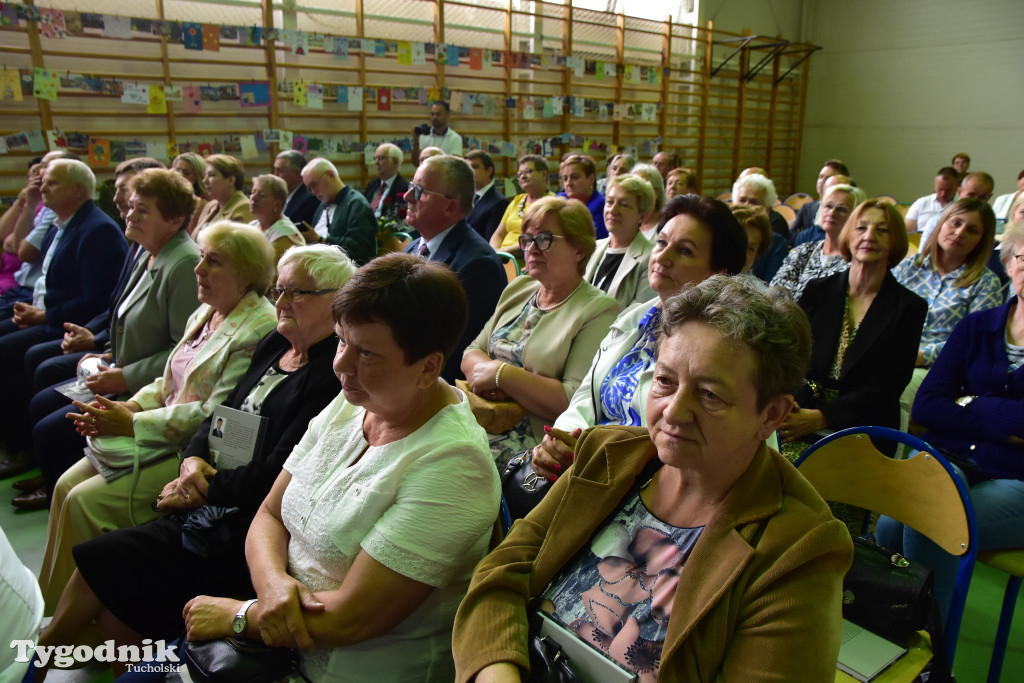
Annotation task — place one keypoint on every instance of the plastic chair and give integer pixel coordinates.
(887, 198)
(724, 197)
(511, 265)
(397, 242)
(786, 211)
(1012, 563)
(923, 492)
(797, 199)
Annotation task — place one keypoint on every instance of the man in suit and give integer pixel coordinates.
(489, 203)
(84, 250)
(439, 199)
(301, 205)
(389, 186)
(344, 217)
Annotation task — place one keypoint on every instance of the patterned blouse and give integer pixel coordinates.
(947, 303)
(618, 391)
(805, 263)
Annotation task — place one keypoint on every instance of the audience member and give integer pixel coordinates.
(344, 217)
(579, 181)
(533, 180)
(300, 205)
(618, 265)
(756, 189)
(619, 164)
(224, 180)
(540, 341)
(22, 606)
(805, 217)
(814, 260)
(440, 198)
(649, 227)
(816, 233)
(978, 185)
(680, 181)
(754, 220)
(267, 203)
(193, 168)
(440, 134)
(720, 560)
(429, 152)
(389, 186)
(925, 208)
(1001, 204)
(489, 203)
(961, 162)
(666, 162)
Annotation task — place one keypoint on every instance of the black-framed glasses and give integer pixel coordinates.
(295, 294)
(526, 174)
(418, 191)
(542, 241)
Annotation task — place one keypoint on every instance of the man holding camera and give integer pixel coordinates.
(437, 134)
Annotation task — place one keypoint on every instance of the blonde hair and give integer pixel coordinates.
(246, 248)
(573, 217)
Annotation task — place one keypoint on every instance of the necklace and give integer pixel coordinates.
(554, 306)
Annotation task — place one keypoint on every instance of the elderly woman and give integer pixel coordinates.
(147, 320)
(193, 167)
(970, 404)
(578, 176)
(866, 329)
(649, 228)
(950, 274)
(618, 266)
(338, 551)
(680, 181)
(819, 259)
(753, 188)
(545, 329)
(620, 164)
(224, 179)
(266, 201)
(698, 237)
(135, 582)
(533, 179)
(233, 275)
(721, 562)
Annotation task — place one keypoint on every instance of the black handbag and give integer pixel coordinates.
(886, 593)
(522, 488)
(548, 663)
(234, 660)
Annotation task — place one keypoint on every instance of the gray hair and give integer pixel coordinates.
(277, 187)
(629, 158)
(391, 150)
(322, 165)
(652, 176)
(639, 187)
(295, 158)
(327, 264)
(768, 323)
(247, 251)
(859, 197)
(1012, 242)
(761, 183)
(456, 179)
(77, 172)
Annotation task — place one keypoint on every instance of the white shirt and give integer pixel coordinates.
(434, 243)
(385, 186)
(450, 142)
(39, 293)
(923, 210)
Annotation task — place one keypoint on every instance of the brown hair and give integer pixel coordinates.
(174, 195)
(229, 167)
(573, 217)
(977, 260)
(898, 242)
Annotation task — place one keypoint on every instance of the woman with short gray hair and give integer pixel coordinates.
(266, 201)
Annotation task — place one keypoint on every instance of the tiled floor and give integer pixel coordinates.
(27, 533)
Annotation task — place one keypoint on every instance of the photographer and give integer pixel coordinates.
(437, 134)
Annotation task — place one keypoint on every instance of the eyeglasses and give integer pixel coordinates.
(418, 191)
(294, 294)
(837, 209)
(525, 174)
(542, 241)
(380, 158)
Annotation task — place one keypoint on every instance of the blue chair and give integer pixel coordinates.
(1011, 562)
(923, 492)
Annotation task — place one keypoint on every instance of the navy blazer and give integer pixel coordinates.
(880, 360)
(488, 212)
(398, 188)
(84, 268)
(301, 207)
(482, 276)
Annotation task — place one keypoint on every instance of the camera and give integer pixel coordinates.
(422, 129)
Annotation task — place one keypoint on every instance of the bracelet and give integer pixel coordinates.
(497, 375)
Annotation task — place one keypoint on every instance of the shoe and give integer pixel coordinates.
(33, 500)
(16, 464)
(30, 484)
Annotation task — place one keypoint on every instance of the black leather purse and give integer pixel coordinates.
(233, 660)
(548, 663)
(522, 487)
(886, 593)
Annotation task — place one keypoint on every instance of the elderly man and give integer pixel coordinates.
(753, 188)
(489, 203)
(440, 198)
(344, 217)
(83, 253)
(977, 185)
(440, 134)
(300, 205)
(389, 185)
(925, 208)
(666, 162)
(805, 216)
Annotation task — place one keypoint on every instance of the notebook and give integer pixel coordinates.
(864, 655)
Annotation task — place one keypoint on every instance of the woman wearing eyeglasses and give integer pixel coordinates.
(820, 259)
(533, 179)
(539, 343)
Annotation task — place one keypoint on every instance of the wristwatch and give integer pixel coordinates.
(239, 623)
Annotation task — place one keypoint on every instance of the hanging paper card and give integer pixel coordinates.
(629, 73)
(649, 112)
(488, 105)
(135, 94)
(251, 35)
(456, 101)
(205, 149)
(453, 55)
(156, 150)
(299, 41)
(172, 93)
(610, 69)
(599, 71)
(254, 94)
(556, 106)
(342, 95)
(528, 110)
(211, 37)
(172, 151)
(368, 152)
(117, 27)
(355, 99)
(10, 86)
(36, 141)
(315, 96)
(468, 100)
(367, 46)
(341, 48)
(192, 98)
(380, 48)
(419, 53)
(508, 149)
(8, 17)
(421, 96)
(248, 143)
(157, 102)
(549, 107)
(45, 84)
(577, 106)
(300, 144)
(510, 103)
(383, 99)
(619, 112)
(476, 59)
(578, 67)
(441, 53)
(404, 53)
(99, 152)
(300, 95)
(56, 140)
(433, 94)
(51, 23)
(287, 138)
(192, 35)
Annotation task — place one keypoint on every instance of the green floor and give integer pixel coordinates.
(27, 532)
